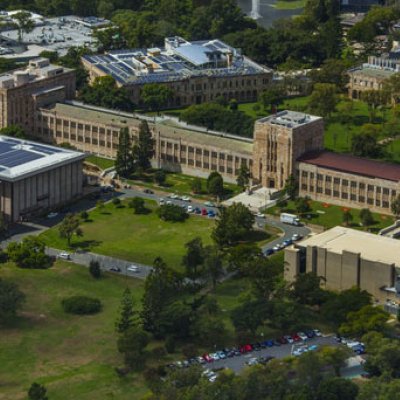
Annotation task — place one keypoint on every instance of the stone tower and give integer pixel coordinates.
(279, 140)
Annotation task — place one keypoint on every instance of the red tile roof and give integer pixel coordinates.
(353, 165)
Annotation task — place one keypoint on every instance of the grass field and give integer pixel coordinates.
(182, 184)
(73, 356)
(328, 216)
(289, 4)
(103, 163)
(118, 232)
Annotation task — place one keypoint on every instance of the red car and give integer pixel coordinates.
(204, 212)
(207, 358)
(282, 340)
(296, 337)
(246, 348)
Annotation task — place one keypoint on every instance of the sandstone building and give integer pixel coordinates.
(36, 177)
(345, 258)
(197, 72)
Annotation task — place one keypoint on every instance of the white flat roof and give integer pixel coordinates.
(290, 119)
(371, 247)
(22, 158)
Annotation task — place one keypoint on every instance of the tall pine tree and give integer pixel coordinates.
(144, 148)
(125, 162)
(127, 315)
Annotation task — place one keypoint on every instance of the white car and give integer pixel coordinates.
(289, 339)
(296, 237)
(190, 209)
(133, 268)
(260, 215)
(186, 198)
(317, 332)
(161, 201)
(174, 196)
(168, 203)
(302, 335)
(52, 215)
(64, 256)
(215, 356)
(252, 361)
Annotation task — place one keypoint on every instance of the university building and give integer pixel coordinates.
(284, 144)
(346, 258)
(197, 72)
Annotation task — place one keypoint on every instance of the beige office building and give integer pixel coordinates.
(345, 258)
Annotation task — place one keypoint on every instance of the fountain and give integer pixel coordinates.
(255, 9)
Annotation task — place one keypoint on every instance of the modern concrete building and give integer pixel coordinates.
(36, 177)
(197, 72)
(345, 258)
(23, 91)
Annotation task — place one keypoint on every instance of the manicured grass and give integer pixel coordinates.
(182, 184)
(118, 232)
(103, 163)
(73, 356)
(328, 216)
(289, 4)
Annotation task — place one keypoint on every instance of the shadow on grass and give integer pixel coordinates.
(85, 244)
(257, 236)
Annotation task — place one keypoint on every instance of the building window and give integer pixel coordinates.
(378, 189)
(385, 191)
(385, 204)
(345, 182)
(353, 197)
(311, 175)
(335, 193)
(304, 174)
(361, 199)
(328, 179)
(319, 177)
(345, 195)
(303, 186)
(370, 201)
(328, 192)
(353, 184)
(370, 188)
(319, 189)
(377, 202)
(336, 181)
(362, 185)
(183, 148)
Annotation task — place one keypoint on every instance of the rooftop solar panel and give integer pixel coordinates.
(18, 157)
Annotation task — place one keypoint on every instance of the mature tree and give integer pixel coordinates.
(374, 99)
(11, 300)
(367, 319)
(143, 149)
(160, 177)
(156, 96)
(241, 257)
(235, 223)
(30, 253)
(194, 257)
(333, 71)
(172, 213)
(213, 265)
(392, 86)
(291, 187)
(124, 162)
(307, 290)
(176, 319)
(248, 316)
(337, 306)
(324, 99)
(70, 226)
(337, 389)
(365, 144)
(127, 314)
(209, 330)
(25, 23)
(272, 97)
(303, 205)
(162, 285)
(37, 392)
(366, 217)
(7, 65)
(138, 205)
(347, 217)
(196, 185)
(104, 92)
(132, 344)
(335, 357)
(379, 389)
(243, 177)
(95, 269)
(285, 314)
(395, 206)
(215, 184)
(13, 131)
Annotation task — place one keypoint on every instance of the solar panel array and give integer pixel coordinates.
(14, 153)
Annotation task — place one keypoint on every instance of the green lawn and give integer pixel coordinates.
(101, 162)
(328, 216)
(73, 356)
(289, 4)
(182, 184)
(118, 232)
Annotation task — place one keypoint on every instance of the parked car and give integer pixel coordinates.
(133, 268)
(260, 215)
(64, 256)
(190, 209)
(211, 214)
(302, 335)
(186, 198)
(115, 269)
(197, 210)
(276, 248)
(204, 211)
(52, 215)
(256, 346)
(148, 191)
(310, 334)
(207, 358)
(161, 201)
(317, 332)
(269, 343)
(221, 355)
(265, 360)
(215, 356)
(269, 252)
(252, 361)
(287, 242)
(296, 337)
(296, 237)
(277, 342)
(174, 196)
(283, 340)
(289, 339)
(209, 204)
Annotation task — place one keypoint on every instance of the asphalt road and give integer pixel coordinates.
(237, 363)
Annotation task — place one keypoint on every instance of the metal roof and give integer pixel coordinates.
(21, 158)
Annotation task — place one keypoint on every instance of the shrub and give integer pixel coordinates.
(84, 215)
(170, 344)
(172, 212)
(95, 269)
(117, 202)
(81, 305)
